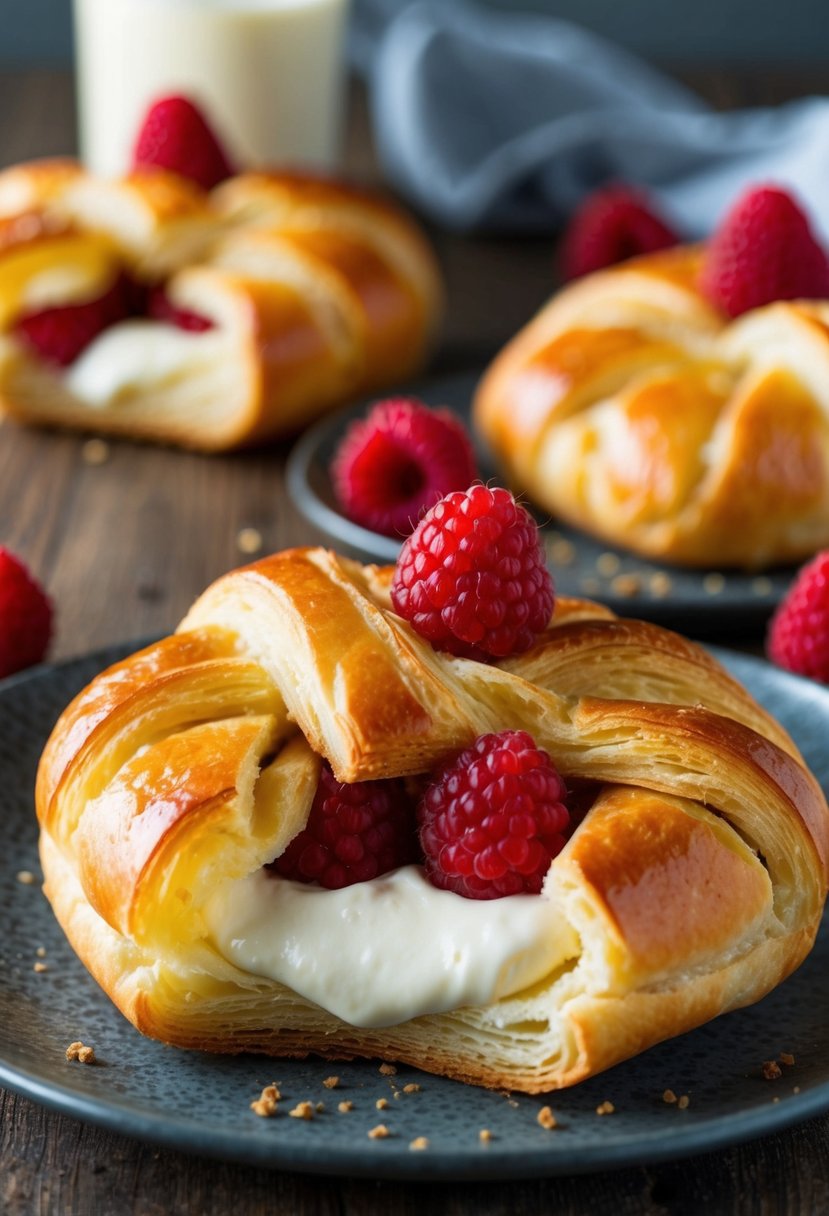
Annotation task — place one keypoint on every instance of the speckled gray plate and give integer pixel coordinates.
(707, 603)
(201, 1103)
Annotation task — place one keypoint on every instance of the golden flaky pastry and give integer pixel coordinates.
(632, 409)
(694, 884)
(314, 291)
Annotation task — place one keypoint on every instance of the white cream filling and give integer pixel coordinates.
(381, 952)
(139, 355)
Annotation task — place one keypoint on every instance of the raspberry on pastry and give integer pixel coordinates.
(798, 636)
(354, 833)
(472, 577)
(764, 250)
(175, 135)
(60, 334)
(395, 463)
(493, 820)
(613, 224)
(25, 616)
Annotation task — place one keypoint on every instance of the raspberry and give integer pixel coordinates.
(472, 578)
(494, 819)
(398, 461)
(354, 832)
(798, 637)
(176, 136)
(161, 308)
(611, 225)
(25, 616)
(763, 250)
(58, 335)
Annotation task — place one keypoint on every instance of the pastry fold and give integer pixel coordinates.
(693, 885)
(630, 408)
(308, 292)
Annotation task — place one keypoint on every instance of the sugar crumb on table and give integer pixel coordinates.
(605, 1108)
(345, 1106)
(40, 967)
(331, 1082)
(771, 1070)
(545, 1118)
(684, 1102)
(382, 1104)
(419, 1144)
(302, 1110)
(484, 1135)
(669, 1096)
(26, 878)
(388, 1070)
(380, 1132)
(265, 1105)
(786, 1057)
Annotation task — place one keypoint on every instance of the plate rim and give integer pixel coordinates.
(118, 1114)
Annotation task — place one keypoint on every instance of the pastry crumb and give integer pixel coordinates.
(411, 1088)
(26, 877)
(419, 1144)
(40, 967)
(546, 1118)
(41, 953)
(302, 1110)
(388, 1070)
(607, 564)
(78, 1051)
(249, 540)
(626, 585)
(95, 451)
(605, 1108)
(382, 1104)
(772, 1070)
(660, 584)
(684, 1102)
(380, 1132)
(331, 1082)
(786, 1057)
(669, 1096)
(484, 1135)
(345, 1106)
(265, 1104)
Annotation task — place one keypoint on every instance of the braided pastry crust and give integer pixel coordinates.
(316, 292)
(632, 409)
(694, 884)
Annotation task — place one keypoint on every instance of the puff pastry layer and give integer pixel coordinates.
(316, 291)
(632, 409)
(694, 884)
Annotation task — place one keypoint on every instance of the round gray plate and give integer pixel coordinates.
(200, 1103)
(707, 603)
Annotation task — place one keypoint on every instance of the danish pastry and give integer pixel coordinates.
(209, 320)
(633, 409)
(693, 884)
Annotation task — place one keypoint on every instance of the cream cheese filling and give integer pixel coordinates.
(382, 952)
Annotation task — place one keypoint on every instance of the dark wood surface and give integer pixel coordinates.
(124, 546)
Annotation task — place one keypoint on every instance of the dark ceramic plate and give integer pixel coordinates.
(706, 603)
(200, 1103)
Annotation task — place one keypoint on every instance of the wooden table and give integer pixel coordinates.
(124, 546)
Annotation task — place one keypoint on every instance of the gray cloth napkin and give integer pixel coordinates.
(505, 122)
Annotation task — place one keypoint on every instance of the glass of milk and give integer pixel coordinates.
(268, 75)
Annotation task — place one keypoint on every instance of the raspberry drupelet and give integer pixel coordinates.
(492, 821)
(472, 577)
(25, 616)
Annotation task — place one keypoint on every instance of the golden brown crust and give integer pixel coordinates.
(694, 884)
(316, 291)
(632, 409)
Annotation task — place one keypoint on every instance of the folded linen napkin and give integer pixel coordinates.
(504, 122)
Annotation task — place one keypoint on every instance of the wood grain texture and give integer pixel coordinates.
(124, 547)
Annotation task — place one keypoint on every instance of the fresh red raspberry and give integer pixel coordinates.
(161, 308)
(611, 225)
(798, 637)
(398, 461)
(763, 250)
(58, 335)
(494, 819)
(25, 616)
(175, 135)
(354, 832)
(472, 577)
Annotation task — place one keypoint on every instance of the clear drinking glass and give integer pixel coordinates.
(269, 75)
